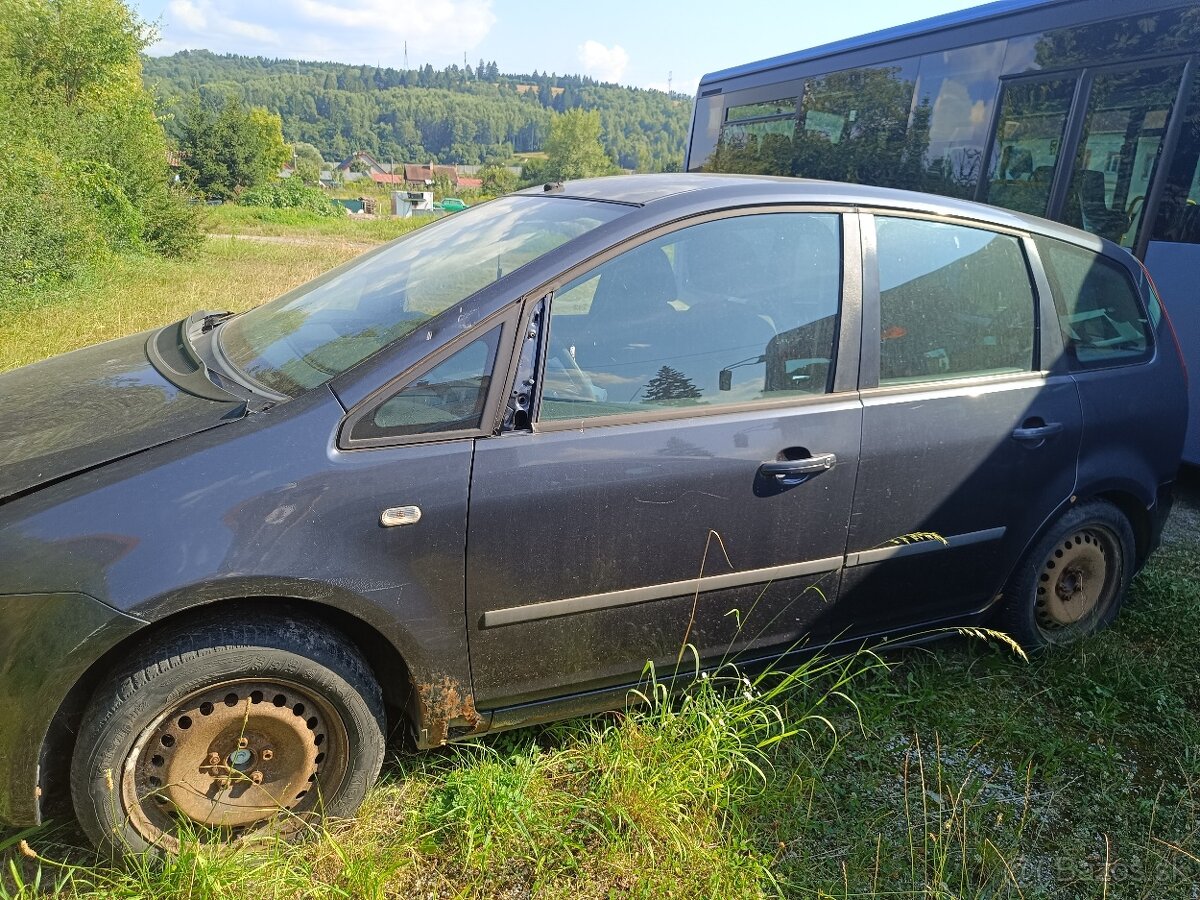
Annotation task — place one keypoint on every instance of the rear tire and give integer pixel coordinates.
(228, 731)
(1072, 583)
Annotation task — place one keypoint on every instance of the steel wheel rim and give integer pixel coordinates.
(232, 758)
(1077, 583)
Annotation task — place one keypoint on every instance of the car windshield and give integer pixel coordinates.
(322, 328)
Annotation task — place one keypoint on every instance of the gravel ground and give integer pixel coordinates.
(1184, 524)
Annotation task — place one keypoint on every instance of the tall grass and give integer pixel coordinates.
(657, 800)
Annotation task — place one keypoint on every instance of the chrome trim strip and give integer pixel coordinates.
(548, 609)
(863, 557)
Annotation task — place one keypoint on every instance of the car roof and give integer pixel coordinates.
(666, 189)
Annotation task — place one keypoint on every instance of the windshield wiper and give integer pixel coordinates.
(212, 320)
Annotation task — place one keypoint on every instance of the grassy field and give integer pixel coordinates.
(956, 771)
(133, 294)
(257, 220)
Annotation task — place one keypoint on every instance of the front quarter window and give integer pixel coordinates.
(321, 329)
(449, 397)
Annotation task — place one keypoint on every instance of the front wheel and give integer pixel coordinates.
(1073, 581)
(228, 731)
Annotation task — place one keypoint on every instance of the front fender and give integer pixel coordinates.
(47, 642)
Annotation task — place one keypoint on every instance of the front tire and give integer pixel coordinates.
(1072, 583)
(228, 731)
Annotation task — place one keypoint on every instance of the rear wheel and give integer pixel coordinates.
(1072, 583)
(226, 732)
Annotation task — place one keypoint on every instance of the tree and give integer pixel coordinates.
(226, 148)
(573, 147)
(670, 384)
(271, 152)
(308, 162)
(83, 159)
(482, 121)
(75, 47)
(497, 180)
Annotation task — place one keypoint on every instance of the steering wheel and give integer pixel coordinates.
(566, 374)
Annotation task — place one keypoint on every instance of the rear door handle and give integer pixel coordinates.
(1035, 434)
(794, 471)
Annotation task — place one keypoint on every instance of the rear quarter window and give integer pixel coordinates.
(1099, 311)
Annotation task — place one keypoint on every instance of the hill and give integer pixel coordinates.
(454, 115)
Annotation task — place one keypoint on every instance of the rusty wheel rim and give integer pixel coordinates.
(233, 758)
(1076, 583)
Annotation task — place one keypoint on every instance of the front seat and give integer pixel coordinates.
(628, 321)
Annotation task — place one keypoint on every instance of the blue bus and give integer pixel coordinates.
(1083, 111)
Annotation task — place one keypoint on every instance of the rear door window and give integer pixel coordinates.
(954, 302)
(1103, 322)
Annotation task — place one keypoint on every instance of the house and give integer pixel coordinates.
(424, 174)
(367, 166)
(416, 176)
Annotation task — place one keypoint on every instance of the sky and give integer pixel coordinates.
(633, 42)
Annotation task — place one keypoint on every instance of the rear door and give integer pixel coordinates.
(970, 435)
(688, 478)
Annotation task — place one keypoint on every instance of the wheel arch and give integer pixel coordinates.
(391, 670)
(1135, 509)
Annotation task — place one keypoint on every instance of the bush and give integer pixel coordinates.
(291, 193)
(44, 232)
(83, 160)
(172, 222)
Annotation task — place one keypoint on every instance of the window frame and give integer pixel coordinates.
(1048, 352)
(1068, 139)
(846, 342)
(506, 320)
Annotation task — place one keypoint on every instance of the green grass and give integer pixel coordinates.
(958, 771)
(131, 294)
(293, 223)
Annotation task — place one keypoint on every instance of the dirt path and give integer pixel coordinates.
(315, 240)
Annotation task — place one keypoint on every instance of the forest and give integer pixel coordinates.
(469, 114)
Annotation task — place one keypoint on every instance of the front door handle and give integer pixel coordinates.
(1035, 431)
(794, 471)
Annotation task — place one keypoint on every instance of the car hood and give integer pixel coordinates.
(92, 406)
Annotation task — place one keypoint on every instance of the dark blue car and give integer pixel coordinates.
(466, 482)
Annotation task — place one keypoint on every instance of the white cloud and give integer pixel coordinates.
(601, 62)
(188, 14)
(207, 17)
(358, 31)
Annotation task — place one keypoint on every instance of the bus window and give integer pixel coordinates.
(756, 122)
(855, 127)
(1033, 115)
(706, 130)
(751, 131)
(1179, 209)
(1126, 117)
(956, 90)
